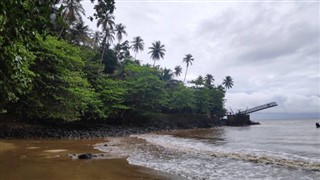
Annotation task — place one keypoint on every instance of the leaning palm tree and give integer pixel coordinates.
(120, 30)
(208, 80)
(228, 82)
(188, 59)
(157, 51)
(177, 70)
(137, 45)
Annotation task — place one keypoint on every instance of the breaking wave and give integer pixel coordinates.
(251, 155)
(198, 159)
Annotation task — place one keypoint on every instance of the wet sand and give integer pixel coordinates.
(47, 159)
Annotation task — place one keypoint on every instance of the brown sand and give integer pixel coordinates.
(46, 159)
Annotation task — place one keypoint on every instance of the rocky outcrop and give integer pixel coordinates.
(240, 120)
(84, 130)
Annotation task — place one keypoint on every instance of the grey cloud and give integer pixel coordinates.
(287, 41)
(270, 49)
(290, 103)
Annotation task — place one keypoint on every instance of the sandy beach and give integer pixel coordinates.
(47, 159)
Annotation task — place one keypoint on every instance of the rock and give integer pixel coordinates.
(317, 125)
(85, 156)
(254, 123)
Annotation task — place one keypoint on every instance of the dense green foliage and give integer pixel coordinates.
(19, 22)
(52, 67)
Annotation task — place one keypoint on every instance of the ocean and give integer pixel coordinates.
(276, 149)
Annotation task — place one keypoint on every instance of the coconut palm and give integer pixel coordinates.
(96, 38)
(137, 45)
(122, 50)
(157, 51)
(198, 82)
(188, 59)
(166, 75)
(221, 88)
(79, 33)
(72, 12)
(108, 38)
(107, 24)
(177, 70)
(228, 82)
(120, 30)
(208, 80)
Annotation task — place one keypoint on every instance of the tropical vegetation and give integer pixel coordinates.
(52, 66)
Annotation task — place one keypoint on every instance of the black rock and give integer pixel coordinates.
(85, 156)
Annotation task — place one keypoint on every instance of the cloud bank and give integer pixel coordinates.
(271, 49)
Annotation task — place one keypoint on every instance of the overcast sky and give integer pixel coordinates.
(270, 49)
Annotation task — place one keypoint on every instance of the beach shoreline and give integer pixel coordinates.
(100, 129)
(34, 159)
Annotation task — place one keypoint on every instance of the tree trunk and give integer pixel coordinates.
(185, 75)
(103, 50)
(60, 32)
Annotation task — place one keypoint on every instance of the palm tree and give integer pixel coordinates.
(72, 12)
(137, 45)
(108, 38)
(107, 24)
(157, 51)
(79, 33)
(122, 50)
(178, 70)
(188, 59)
(199, 81)
(120, 30)
(208, 80)
(228, 82)
(221, 88)
(96, 39)
(166, 75)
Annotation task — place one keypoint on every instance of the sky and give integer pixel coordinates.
(270, 49)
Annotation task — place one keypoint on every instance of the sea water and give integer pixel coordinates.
(276, 149)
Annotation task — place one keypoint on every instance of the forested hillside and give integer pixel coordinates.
(52, 66)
